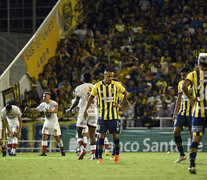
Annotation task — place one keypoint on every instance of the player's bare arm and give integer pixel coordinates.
(20, 126)
(186, 83)
(77, 99)
(7, 126)
(177, 106)
(90, 100)
(124, 107)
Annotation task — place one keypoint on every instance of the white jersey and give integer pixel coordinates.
(84, 91)
(12, 115)
(51, 119)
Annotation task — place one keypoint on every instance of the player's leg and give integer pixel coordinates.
(115, 128)
(193, 153)
(106, 146)
(197, 131)
(60, 144)
(102, 127)
(85, 136)
(80, 142)
(14, 144)
(81, 125)
(92, 131)
(9, 142)
(179, 123)
(116, 147)
(44, 142)
(3, 147)
(100, 146)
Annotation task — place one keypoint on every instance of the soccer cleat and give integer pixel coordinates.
(112, 157)
(192, 170)
(116, 159)
(83, 153)
(4, 153)
(180, 158)
(107, 152)
(100, 161)
(43, 154)
(63, 153)
(12, 154)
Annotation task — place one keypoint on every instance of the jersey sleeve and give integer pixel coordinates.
(190, 77)
(40, 107)
(3, 113)
(77, 92)
(179, 87)
(94, 90)
(18, 112)
(120, 88)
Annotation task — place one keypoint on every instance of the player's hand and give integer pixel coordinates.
(68, 111)
(117, 105)
(85, 114)
(48, 110)
(19, 134)
(120, 113)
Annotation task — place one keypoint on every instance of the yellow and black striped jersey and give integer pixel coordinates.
(107, 95)
(185, 107)
(199, 80)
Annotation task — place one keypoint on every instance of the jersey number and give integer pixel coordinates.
(203, 93)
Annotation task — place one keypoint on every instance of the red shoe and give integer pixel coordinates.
(100, 161)
(83, 153)
(116, 159)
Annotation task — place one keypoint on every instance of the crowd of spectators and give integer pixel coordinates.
(146, 41)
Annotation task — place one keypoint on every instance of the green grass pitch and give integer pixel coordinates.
(160, 166)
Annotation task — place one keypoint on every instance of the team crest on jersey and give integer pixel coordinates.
(112, 91)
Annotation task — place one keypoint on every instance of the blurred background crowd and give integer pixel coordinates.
(146, 41)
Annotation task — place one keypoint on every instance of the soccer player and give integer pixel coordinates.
(82, 94)
(182, 114)
(107, 92)
(51, 126)
(3, 147)
(199, 79)
(13, 116)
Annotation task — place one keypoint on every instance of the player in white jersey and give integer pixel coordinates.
(82, 94)
(13, 116)
(51, 126)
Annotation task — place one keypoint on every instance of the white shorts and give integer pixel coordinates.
(51, 131)
(82, 122)
(0, 129)
(13, 127)
(85, 130)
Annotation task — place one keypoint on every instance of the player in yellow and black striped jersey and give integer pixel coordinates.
(182, 114)
(199, 122)
(107, 92)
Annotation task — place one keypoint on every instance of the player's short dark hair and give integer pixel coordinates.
(47, 92)
(8, 107)
(87, 77)
(109, 69)
(185, 69)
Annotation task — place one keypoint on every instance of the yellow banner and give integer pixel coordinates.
(72, 12)
(43, 48)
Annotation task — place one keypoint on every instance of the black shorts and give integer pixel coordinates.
(111, 126)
